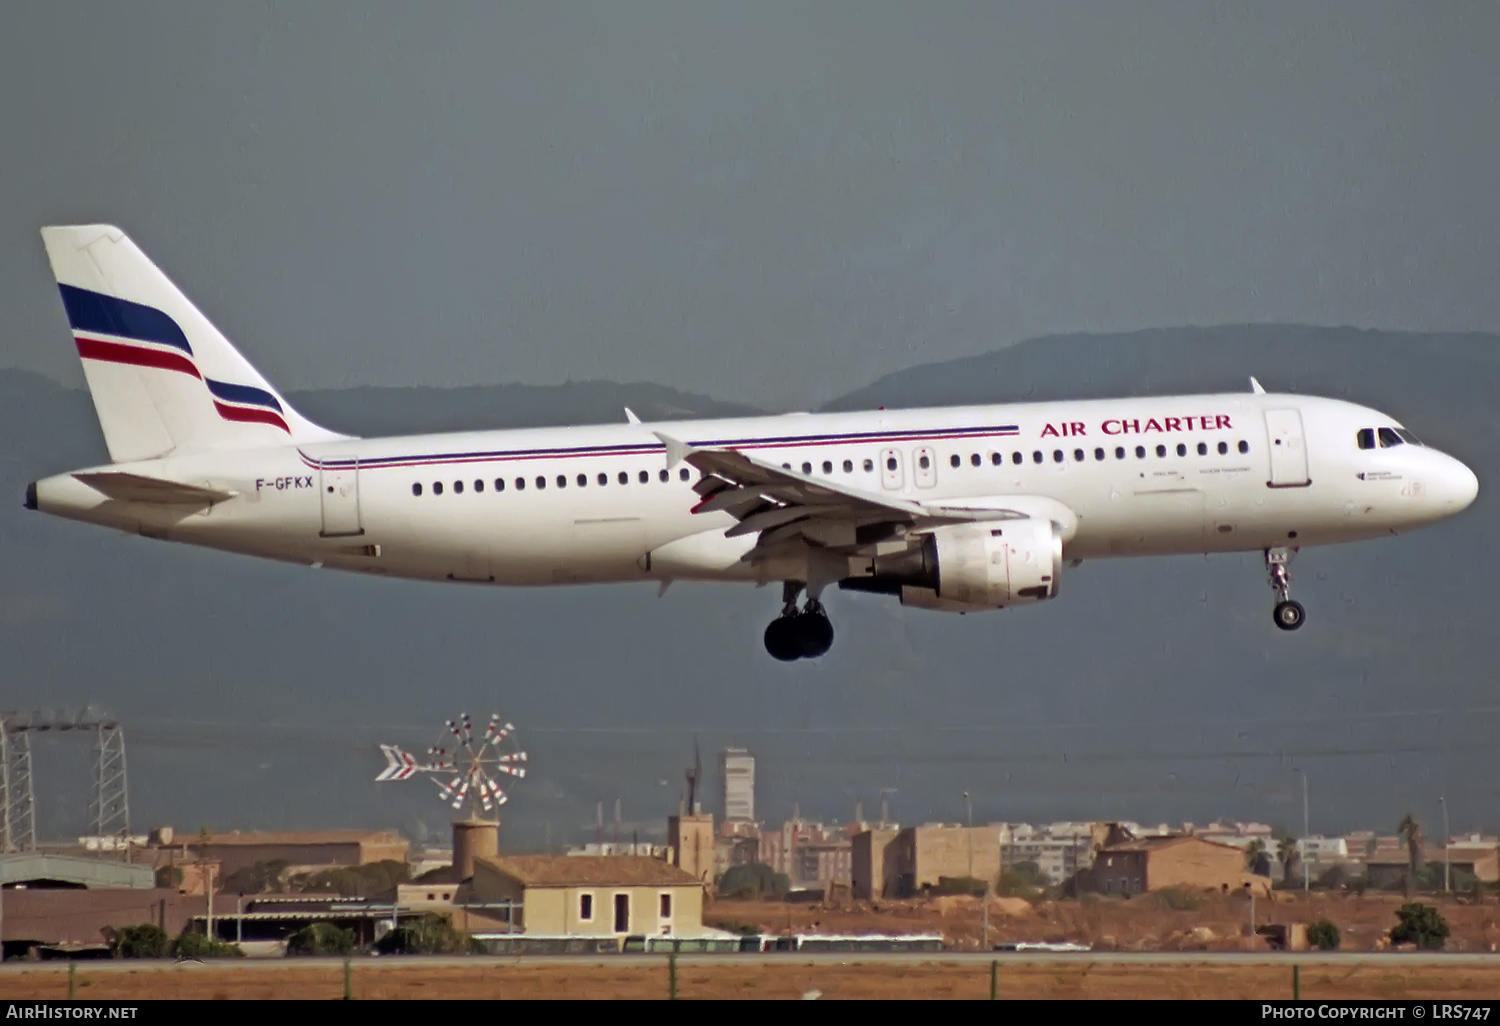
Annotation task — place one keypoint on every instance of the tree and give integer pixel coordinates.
(1323, 935)
(1411, 831)
(146, 940)
(430, 935)
(1422, 925)
(320, 939)
(752, 880)
(1256, 859)
(192, 944)
(1291, 859)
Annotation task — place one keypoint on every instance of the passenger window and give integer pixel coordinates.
(1202, 448)
(683, 474)
(458, 487)
(1181, 449)
(478, 485)
(1036, 456)
(520, 484)
(541, 482)
(624, 477)
(1098, 454)
(828, 466)
(953, 461)
(848, 466)
(890, 463)
(1244, 446)
(603, 480)
(499, 484)
(1365, 438)
(645, 476)
(437, 488)
(1389, 438)
(661, 475)
(1057, 456)
(562, 480)
(1016, 458)
(1161, 452)
(1119, 452)
(807, 468)
(416, 489)
(924, 462)
(996, 458)
(974, 459)
(1223, 448)
(1140, 452)
(1077, 455)
(583, 479)
(870, 466)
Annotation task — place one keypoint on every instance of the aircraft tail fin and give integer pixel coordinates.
(161, 375)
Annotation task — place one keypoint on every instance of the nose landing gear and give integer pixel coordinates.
(1289, 615)
(804, 633)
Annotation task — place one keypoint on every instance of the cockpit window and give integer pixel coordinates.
(1366, 438)
(1407, 437)
(1389, 438)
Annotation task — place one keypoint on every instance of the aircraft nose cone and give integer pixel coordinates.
(1460, 486)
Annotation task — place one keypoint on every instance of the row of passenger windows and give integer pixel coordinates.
(1079, 455)
(1017, 458)
(540, 481)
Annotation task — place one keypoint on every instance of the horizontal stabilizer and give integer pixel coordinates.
(139, 488)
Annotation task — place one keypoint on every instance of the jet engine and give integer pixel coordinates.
(971, 567)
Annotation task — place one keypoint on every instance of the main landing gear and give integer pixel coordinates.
(1287, 614)
(804, 633)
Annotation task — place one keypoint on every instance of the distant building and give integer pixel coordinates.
(901, 863)
(597, 896)
(615, 848)
(1135, 865)
(808, 852)
(690, 840)
(737, 771)
(297, 850)
(1058, 850)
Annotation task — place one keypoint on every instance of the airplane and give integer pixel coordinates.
(961, 509)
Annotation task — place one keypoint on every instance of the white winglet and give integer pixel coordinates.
(1255, 387)
(630, 416)
(676, 451)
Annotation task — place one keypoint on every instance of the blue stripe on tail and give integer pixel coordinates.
(94, 311)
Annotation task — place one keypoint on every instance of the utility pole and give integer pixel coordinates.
(1447, 838)
(210, 901)
(1305, 886)
(969, 805)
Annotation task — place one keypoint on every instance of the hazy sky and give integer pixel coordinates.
(769, 202)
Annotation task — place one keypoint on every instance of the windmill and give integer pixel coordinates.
(466, 767)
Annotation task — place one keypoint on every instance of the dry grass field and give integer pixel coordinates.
(792, 978)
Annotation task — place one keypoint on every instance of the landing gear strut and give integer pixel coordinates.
(804, 633)
(1288, 615)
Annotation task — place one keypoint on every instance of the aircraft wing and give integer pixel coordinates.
(782, 505)
(139, 488)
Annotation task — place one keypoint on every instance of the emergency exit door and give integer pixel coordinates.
(1288, 449)
(338, 487)
(892, 476)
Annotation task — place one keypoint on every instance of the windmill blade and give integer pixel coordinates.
(515, 771)
(392, 762)
(468, 728)
(463, 790)
(493, 727)
(513, 757)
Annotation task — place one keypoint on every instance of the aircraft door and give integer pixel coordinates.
(924, 469)
(338, 487)
(892, 476)
(1288, 449)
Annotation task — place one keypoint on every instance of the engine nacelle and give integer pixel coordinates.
(998, 563)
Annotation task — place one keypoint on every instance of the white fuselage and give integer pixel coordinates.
(1149, 476)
